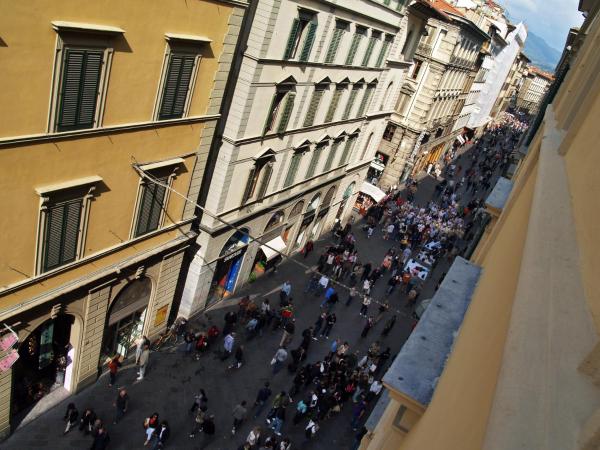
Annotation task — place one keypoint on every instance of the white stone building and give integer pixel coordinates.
(308, 107)
(535, 85)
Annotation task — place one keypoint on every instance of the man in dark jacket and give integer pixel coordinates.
(101, 440)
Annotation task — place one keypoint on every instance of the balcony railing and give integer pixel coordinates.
(424, 49)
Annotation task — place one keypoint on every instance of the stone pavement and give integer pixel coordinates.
(173, 379)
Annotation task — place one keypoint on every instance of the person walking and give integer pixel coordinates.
(288, 334)
(161, 435)
(357, 413)
(368, 325)
(228, 342)
(329, 323)
(70, 417)
(151, 424)
(364, 307)
(285, 292)
(318, 324)
(139, 347)
(87, 421)
(209, 430)
(199, 420)
(200, 401)
(239, 414)
(120, 405)
(301, 409)
(389, 325)
(101, 440)
(253, 438)
(113, 367)
(311, 430)
(261, 398)
(278, 360)
(144, 359)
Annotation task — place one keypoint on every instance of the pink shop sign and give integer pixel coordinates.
(8, 361)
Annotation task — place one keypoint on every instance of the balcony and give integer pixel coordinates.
(424, 49)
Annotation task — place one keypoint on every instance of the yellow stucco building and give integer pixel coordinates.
(508, 354)
(95, 97)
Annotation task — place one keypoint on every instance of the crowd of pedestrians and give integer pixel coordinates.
(322, 385)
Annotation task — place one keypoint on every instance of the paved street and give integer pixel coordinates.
(173, 379)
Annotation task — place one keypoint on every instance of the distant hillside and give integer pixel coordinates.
(540, 53)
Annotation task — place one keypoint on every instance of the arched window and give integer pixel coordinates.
(388, 91)
(259, 176)
(296, 210)
(274, 221)
(367, 145)
(282, 106)
(314, 204)
(328, 197)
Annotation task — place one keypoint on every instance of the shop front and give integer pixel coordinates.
(228, 266)
(342, 207)
(377, 167)
(307, 220)
(368, 196)
(273, 244)
(126, 318)
(45, 363)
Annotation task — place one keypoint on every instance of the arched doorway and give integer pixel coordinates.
(315, 232)
(45, 356)
(228, 266)
(272, 245)
(309, 216)
(347, 194)
(296, 211)
(126, 318)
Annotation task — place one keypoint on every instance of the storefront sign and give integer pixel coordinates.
(232, 276)
(46, 348)
(8, 361)
(7, 341)
(233, 255)
(161, 315)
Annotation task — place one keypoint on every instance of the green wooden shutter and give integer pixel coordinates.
(264, 184)
(151, 206)
(331, 155)
(386, 2)
(313, 106)
(334, 104)
(176, 86)
(308, 42)
(249, 185)
(339, 31)
(315, 160)
(286, 113)
(291, 175)
(365, 101)
(347, 149)
(382, 53)
(62, 234)
(353, 47)
(351, 99)
(367, 57)
(79, 92)
(292, 39)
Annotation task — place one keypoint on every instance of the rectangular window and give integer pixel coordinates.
(388, 134)
(301, 38)
(286, 112)
(294, 164)
(176, 89)
(416, 69)
(347, 149)
(338, 34)
(331, 154)
(366, 100)
(79, 88)
(314, 105)
(384, 50)
(375, 36)
(62, 231)
(151, 205)
(351, 99)
(358, 35)
(335, 100)
(314, 162)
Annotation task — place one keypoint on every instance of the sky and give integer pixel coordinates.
(549, 19)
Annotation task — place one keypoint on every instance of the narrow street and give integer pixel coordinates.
(173, 378)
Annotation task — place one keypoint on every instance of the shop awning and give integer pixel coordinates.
(275, 244)
(377, 165)
(460, 139)
(372, 191)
